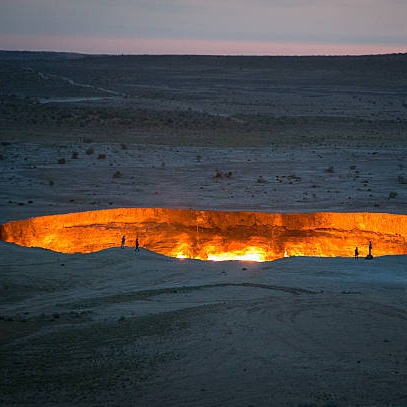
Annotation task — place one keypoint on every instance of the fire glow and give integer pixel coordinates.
(215, 235)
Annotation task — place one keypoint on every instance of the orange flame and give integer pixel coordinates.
(215, 235)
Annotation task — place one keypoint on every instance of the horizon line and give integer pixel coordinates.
(48, 51)
(173, 46)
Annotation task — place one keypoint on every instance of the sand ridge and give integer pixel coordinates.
(144, 329)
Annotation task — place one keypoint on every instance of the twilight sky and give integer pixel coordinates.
(251, 27)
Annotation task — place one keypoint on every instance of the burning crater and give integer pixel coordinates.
(214, 235)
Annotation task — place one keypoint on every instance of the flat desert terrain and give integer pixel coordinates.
(125, 328)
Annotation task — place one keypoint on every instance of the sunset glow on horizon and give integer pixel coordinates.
(237, 27)
(152, 46)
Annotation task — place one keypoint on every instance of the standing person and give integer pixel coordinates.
(123, 241)
(356, 253)
(369, 256)
(136, 249)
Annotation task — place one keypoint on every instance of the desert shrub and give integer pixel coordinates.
(90, 151)
(330, 169)
(261, 180)
(101, 156)
(51, 183)
(61, 161)
(293, 177)
(401, 179)
(290, 179)
(392, 195)
(220, 174)
(117, 174)
(74, 155)
(123, 146)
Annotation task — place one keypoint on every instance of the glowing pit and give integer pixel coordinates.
(215, 235)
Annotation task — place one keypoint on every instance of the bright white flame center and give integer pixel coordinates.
(250, 254)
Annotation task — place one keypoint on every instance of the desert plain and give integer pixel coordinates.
(265, 134)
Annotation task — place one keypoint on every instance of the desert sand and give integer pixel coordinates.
(125, 328)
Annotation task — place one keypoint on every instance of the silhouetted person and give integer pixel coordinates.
(369, 256)
(356, 253)
(123, 241)
(136, 249)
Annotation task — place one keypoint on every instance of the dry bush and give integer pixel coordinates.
(221, 175)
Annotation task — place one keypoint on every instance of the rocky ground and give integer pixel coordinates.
(116, 328)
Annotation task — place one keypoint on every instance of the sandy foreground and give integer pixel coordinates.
(124, 328)
(120, 328)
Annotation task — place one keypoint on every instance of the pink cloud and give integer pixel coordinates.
(96, 45)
